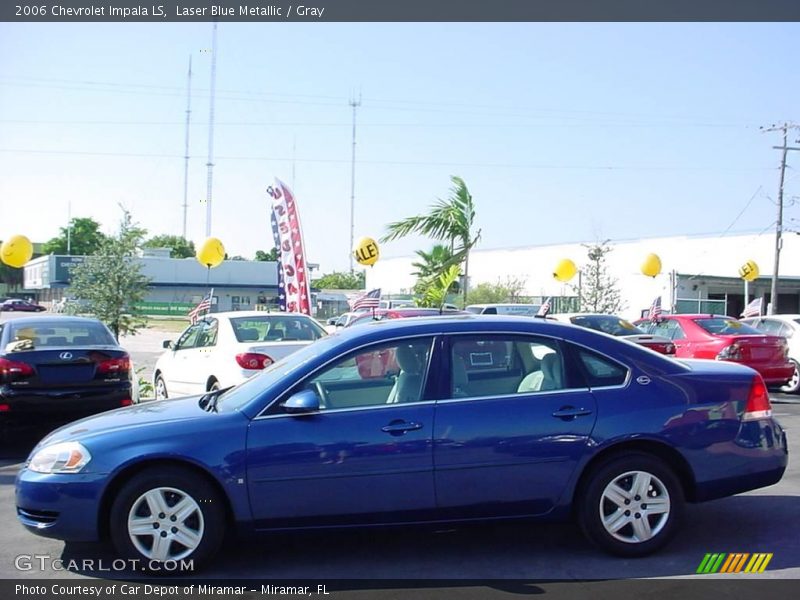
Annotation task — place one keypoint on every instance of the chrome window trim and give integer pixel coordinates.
(343, 410)
(279, 397)
(512, 395)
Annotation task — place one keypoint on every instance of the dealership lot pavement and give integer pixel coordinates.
(762, 521)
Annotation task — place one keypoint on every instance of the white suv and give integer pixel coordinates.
(787, 326)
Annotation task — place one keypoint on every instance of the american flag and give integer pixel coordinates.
(754, 308)
(545, 308)
(203, 306)
(371, 299)
(655, 309)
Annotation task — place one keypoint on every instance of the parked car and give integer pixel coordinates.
(381, 314)
(224, 349)
(522, 310)
(725, 338)
(788, 327)
(19, 305)
(472, 418)
(617, 327)
(58, 369)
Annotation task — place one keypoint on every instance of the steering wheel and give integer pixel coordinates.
(322, 393)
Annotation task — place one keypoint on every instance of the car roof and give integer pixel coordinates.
(53, 319)
(232, 314)
(789, 317)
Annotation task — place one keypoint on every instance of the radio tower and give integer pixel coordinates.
(186, 145)
(210, 163)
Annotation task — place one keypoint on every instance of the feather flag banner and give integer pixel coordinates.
(294, 292)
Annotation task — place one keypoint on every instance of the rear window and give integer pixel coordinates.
(276, 329)
(724, 326)
(607, 324)
(71, 334)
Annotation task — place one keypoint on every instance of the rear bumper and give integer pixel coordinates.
(64, 404)
(775, 375)
(756, 458)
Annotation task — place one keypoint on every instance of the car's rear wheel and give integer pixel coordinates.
(793, 385)
(161, 388)
(167, 515)
(630, 505)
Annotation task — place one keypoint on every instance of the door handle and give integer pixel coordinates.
(400, 427)
(570, 412)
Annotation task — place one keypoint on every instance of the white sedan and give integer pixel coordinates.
(224, 349)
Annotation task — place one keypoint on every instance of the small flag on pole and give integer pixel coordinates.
(203, 306)
(754, 308)
(371, 299)
(545, 308)
(655, 309)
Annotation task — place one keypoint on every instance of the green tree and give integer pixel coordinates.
(356, 280)
(179, 246)
(450, 220)
(271, 256)
(436, 293)
(509, 290)
(430, 266)
(85, 238)
(237, 257)
(598, 291)
(110, 283)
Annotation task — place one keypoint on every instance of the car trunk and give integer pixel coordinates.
(65, 368)
(759, 349)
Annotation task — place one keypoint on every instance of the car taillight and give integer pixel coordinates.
(669, 349)
(5, 407)
(113, 366)
(732, 352)
(126, 402)
(758, 405)
(253, 360)
(11, 370)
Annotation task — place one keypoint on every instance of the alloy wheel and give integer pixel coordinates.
(634, 507)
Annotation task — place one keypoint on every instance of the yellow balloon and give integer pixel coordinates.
(565, 270)
(651, 265)
(211, 253)
(749, 271)
(16, 251)
(366, 251)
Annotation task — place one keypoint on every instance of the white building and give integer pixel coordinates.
(699, 273)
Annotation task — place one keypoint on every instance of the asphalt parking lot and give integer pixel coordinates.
(765, 520)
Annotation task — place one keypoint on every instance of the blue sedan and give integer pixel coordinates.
(445, 419)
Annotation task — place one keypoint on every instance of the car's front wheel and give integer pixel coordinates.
(630, 505)
(167, 515)
(161, 388)
(793, 385)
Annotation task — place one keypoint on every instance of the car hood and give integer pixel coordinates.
(130, 417)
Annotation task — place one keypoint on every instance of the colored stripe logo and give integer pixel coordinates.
(737, 562)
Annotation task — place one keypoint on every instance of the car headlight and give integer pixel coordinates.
(66, 457)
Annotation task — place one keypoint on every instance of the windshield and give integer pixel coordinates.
(243, 393)
(276, 329)
(607, 324)
(723, 326)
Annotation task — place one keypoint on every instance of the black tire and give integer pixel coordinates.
(633, 524)
(203, 522)
(160, 382)
(793, 385)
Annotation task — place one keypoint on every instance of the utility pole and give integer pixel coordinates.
(355, 104)
(773, 294)
(69, 227)
(186, 146)
(210, 163)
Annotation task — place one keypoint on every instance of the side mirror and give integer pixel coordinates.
(303, 402)
(167, 344)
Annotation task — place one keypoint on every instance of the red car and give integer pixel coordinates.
(15, 304)
(718, 337)
(617, 327)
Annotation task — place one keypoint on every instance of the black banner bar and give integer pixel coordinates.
(316, 11)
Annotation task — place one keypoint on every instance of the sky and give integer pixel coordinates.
(563, 132)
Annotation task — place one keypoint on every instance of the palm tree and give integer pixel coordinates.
(448, 220)
(430, 267)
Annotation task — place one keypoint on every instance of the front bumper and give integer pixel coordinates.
(65, 507)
